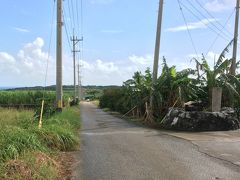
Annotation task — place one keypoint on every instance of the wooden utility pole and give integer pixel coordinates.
(157, 50)
(235, 41)
(75, 40)
(59, 57)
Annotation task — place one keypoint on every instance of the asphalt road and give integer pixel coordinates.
(113, 149)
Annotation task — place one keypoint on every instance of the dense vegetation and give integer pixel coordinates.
(173, 88)
(10, 98)
(31, 98)
(29, 152)
(66, 88)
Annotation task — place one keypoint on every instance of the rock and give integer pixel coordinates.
(175, 120)
(178, 119)
(228, 110)
(194, 106)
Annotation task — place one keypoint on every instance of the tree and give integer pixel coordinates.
(218, 76)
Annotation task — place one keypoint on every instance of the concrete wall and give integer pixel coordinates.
(216, 99)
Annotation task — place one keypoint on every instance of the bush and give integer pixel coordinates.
(114, 99)
(15, 141)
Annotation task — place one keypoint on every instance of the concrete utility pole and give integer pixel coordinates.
(75, 40)
(59, 57)
(234, 58)
(79, 83)
(157, 50)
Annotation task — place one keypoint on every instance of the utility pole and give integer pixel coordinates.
(75, 41)
(59, 57)
(235, 41)
(79, 83)
(157, 50)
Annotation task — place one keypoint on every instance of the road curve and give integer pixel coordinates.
(113, 149)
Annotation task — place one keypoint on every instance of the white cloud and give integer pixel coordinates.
(27, 67)
(143, 60)
(219, 5)
(22, 30)
(7, 64)
(114, 72)
(193, 25)
(5, 58)
(106, 67)
(31, 56)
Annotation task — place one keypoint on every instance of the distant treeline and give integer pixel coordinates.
(65, 87)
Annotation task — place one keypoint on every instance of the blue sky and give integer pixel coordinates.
(119, 37)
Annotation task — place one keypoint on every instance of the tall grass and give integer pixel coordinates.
(14, 117)
(20, 97)
(20, 134)
(24, 97)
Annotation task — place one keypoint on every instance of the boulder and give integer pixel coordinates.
(194, 106)
(178, 119)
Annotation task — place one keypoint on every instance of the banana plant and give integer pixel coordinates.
(138, 90)
(174, 87)
(218, 76)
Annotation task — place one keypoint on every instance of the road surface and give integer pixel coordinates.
(114, 149)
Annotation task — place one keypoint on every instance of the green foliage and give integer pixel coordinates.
(219, 76)
(113, 99)
(32, 100)
(93, 94)
(170, 87)
(173, 88)
(21, 134)
(48, 108)
(15, 141)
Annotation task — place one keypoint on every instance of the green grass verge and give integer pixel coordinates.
(20, 139)
(96, 103)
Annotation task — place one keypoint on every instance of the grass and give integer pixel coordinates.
(22, 142)
(96, 103)
(13, 117)
(31, 165)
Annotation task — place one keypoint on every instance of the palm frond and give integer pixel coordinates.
(223, 54)
(232, 89)
(223, 66)
(205, 64)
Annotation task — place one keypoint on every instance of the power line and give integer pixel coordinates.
(189, 33)
(70, 14)
(201, 20)
(82, 17)
(81, 53)
(73, 13)
(77, 9)
(49, 49)
(209, 22)
(66, 30)
(81, 30)
(223, 26)
(215, 40)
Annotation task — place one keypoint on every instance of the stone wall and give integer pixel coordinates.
(178, 119)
